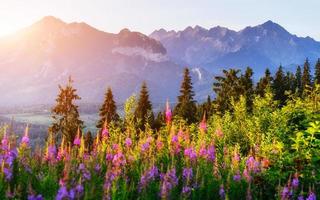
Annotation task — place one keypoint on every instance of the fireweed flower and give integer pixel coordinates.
(168, 113)
(25, 139)
(311, 196)
(35, 197)
(187, 173)
(105, 133)
(203, 152)
(145, 147)
(168, 182)
(285, 194)
(222, 193)
(119, 159)
(203, 124)
(237, 176)
(62, 193)
(211, 153)
(295, 182)
(128, 142)
(190, 153)
(77, 139)
(186, 190)
(5, 142)
(159, 144)
(219, 133)
(148, 176)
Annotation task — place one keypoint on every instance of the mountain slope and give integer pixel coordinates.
(36, 59)
(265, 45)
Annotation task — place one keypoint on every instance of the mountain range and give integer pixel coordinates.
(261, 46)
(36, 59)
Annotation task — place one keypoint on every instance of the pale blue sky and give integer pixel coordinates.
(297, 16)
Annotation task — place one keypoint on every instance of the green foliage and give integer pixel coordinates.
(186, 106)
(65, 114)
(108, 110)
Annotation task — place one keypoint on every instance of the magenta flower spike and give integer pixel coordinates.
(77, 139)
(25, 139)
(168, 113)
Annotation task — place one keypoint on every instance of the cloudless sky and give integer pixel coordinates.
(300, 17)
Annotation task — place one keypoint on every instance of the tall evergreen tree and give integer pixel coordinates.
(279, 86)
(143, 112)
(65, 114)
(264, 83)
(226, 87)
(306, 77)
(317, 73)
(246, 85)
(108, 110)
(298, 84)
(88, 141)
(186, 106)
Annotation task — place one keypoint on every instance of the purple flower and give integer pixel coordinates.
(189, 152)
(174, 139)
(148, 176)
(25, 140)
(145, 146)
(105, 133)
(222, 192)
(312, 196)
(168, 181)
(77, 141)
(186, 190)
(237, 177)
(300, 197)
(211, 153)
(295, 182)
(62, 193)
(4, 143)
(187, 173)
(119, 159)
(8, 173)
(128, 142)
(34, 197)
(285, 193)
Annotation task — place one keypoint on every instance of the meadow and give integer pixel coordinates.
(269, 153)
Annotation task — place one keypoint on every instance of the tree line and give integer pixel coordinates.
(229, 87)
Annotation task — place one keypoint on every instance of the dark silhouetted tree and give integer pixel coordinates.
(186, 106)
(246, 85)
(226, 87)
(88, 141)
(298, 84)
(317, 73)
(108, 110)
(143, 113)
(65, 114)
(279, 86)
(306, 78)
(264, 83)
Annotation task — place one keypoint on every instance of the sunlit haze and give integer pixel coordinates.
(299, 17)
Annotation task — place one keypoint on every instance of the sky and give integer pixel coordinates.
(297, 16)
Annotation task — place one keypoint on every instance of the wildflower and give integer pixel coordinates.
(62, 193)
(203, 124)
(105, 133)
(128, 142)
(219, 133)
(145, 146)
(285, 193)
(77, 139)
(35, 197)
(148, 176)
(295, 181)
(8, 173)
(159, 144)
(222, 192)
(312, 196)
(186, 190)
(25, 139)
(189, 152)
(300, 197)
(4, 142)
(168, 113)
(119, 159)
(211, 153)
(237, 176)
(203, 152)
(168, 181)
(187, 173)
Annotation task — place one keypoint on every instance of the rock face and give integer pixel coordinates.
(265, 45)
(34, 60)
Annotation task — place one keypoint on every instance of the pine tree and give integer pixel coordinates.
(108, 110)
(226, 87)
(264, 83)
(279, 86)
(306, 78)
(65, 114)
(186, 106)
(317, 73)
(143, 113)
(298, 84)
(246, 85)
(88, 141)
